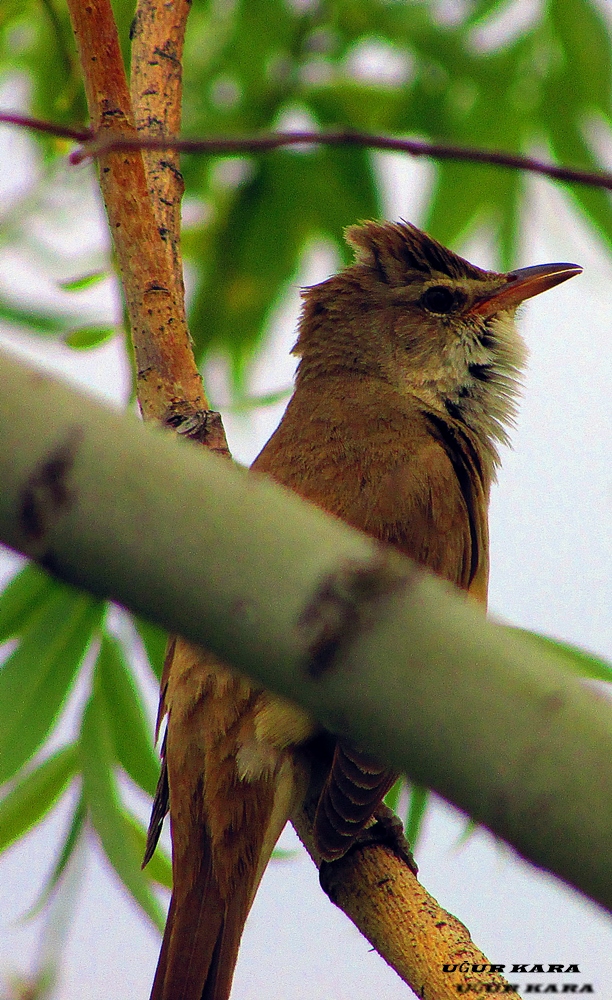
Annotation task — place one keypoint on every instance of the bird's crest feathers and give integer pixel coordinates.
(395, 248)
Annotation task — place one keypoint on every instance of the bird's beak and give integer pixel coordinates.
(523, 284)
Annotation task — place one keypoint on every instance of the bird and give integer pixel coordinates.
(410, 366)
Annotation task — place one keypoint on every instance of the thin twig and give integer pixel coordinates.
(50, 128)
(433, 150)
(342, 137)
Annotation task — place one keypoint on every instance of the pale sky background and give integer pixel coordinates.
(551, 544)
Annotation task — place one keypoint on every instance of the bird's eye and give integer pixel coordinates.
(439, 299)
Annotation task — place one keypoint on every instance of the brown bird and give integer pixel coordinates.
(409, 369)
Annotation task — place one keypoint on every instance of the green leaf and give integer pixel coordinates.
(342, 190)
(416, 811)
(36, 678)
(585, 37)
(417, 805)
(481, 10)
(576, 660)
(467, 196)
(256, 247)
(360, 106)
(468, 831)
(458, 202)
(128, 722)
(569, 147)
(159, 868)
(242, 44)
(242, 404)
(35, 794)
(38, 42)
(33, 320)
(23, 597)
(84, 337)
(102, 797)
(85, 281)
(393, 795)
(154, 640)
(253, 253)
(281, 854)
(70, 844)
(508, 217)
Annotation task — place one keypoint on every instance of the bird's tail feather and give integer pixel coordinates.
(201, 941)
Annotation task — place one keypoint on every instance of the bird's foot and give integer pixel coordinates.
(388, 830)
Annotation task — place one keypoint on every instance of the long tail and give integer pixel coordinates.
(224, 823)
(201, 940)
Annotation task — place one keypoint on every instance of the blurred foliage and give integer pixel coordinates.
(489, 77)
(381, 65)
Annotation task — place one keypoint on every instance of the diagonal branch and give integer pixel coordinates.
(525, 747)
(45, 127)
(348, 137)
(379, 892)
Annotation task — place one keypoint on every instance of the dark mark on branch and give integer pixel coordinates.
(47, 492)
(346, 603)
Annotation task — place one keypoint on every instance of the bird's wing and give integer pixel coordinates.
(355, 787)
(428, 497)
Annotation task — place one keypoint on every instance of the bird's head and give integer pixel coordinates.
(421, 318)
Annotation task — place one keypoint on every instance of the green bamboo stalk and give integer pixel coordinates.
(376, 649)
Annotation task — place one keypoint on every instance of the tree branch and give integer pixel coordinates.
(222, 145)
(347, 137)
(158, 35)
(382, 896)
(167, 377)
(105, 503)
(45, 127)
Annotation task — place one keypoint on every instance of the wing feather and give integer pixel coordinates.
(416, 481)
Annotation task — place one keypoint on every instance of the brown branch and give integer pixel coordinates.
(167, 378)
(50, 128)
(222, 145)
(342, 137)
(417, 937)
(158, 35)
(378, 891)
